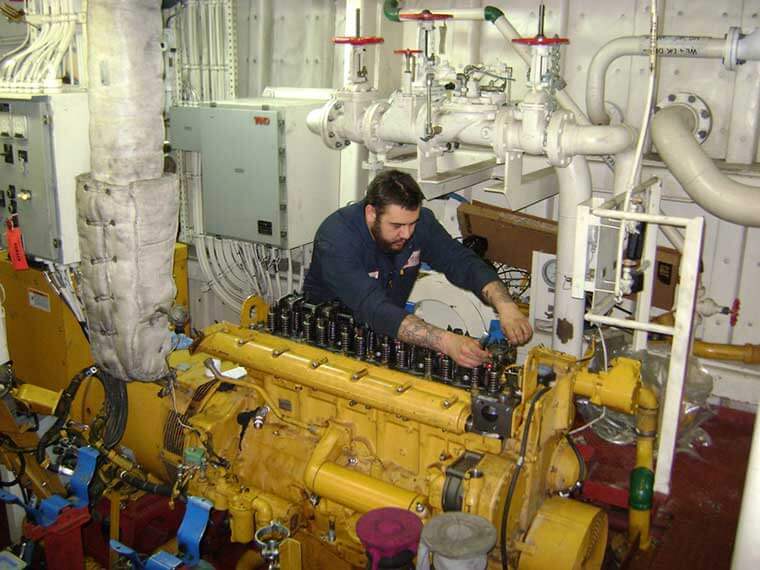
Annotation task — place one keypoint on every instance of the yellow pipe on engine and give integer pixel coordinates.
(349, 488)
(620, 388)
(428, 402)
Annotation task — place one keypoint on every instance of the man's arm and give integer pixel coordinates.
(514, 324)
(464, 350)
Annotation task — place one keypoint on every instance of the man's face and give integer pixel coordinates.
(393, 228)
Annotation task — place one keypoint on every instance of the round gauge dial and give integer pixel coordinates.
(549, 273)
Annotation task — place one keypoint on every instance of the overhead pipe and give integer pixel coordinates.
(696, 172)
(668, 46)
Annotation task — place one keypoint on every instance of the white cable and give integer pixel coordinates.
(604, 347)
(302, 277)
(589, 424)
(643, 132)
(290, 272)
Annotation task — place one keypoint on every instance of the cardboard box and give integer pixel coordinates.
(512, 236)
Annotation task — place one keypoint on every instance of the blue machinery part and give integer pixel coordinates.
(50, 508)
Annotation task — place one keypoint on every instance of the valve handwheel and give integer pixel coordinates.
(407, 51)
(541, 41)
(357, 40)
(425, 15)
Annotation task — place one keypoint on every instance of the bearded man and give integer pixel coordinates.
(368, 255)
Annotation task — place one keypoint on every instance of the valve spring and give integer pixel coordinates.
(385, 346)
(308, 329)
(295, 322)
(332, 333)
(371, 338)
(414, 359)
(344, 342)
(428, 363)
(272, 320)
(476, 376)
(360, 344)
(446, 368)
(321, 332)
(492, 379)
(285, 324)
(401, 355)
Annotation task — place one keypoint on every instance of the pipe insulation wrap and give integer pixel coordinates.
(125, 68)
(696, 172)
(126, 236)
(127, 208)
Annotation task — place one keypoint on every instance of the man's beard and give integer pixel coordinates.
(385, 245)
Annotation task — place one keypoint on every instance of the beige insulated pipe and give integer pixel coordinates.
(696, 172)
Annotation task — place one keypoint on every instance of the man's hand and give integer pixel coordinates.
(465, 350)
(513, 323)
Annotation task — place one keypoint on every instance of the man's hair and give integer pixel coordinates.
(393, 187)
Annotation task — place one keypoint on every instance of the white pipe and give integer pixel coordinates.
(696, 172)
(668, 46)
(587, 139)
(574, 188)
(746, 546)
(749, 47)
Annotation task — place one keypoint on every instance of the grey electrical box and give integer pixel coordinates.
(44, 144)
(265, 177)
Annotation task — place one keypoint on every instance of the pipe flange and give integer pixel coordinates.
(731, 48)
(332, 111)
(370, 125)
(554, 133)
(502, 123)
(697, 105)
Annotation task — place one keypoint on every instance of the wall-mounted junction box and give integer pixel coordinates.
(266, 178)
(44, 146)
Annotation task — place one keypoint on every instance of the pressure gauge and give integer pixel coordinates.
(549, 273)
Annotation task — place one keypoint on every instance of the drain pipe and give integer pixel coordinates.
(734, 50)
(574, 188)
(696, 172)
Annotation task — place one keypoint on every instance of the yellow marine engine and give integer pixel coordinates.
(268, 428)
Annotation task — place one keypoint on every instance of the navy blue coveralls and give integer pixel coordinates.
(348, 265)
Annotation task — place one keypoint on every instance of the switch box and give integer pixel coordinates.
(45, 144)
(265, 177)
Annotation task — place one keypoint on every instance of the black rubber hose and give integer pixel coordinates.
(143, 485)
(516, 473)
(582, 473)
(116, 410)
(62, 411)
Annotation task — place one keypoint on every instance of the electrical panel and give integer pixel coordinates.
(45, 146)
(265, 178)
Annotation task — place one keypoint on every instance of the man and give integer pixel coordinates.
(368, 255)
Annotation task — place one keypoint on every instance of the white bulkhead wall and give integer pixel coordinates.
(731, 253)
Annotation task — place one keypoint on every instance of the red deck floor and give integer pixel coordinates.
(694, 527)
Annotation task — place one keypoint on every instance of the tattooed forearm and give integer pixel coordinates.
(496, 294)
(416, 331)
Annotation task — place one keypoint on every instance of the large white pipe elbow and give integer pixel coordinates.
(696, 172)
(596, 140)
(670, 46)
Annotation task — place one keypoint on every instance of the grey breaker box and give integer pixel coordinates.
(44, 144)
(265, 177)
